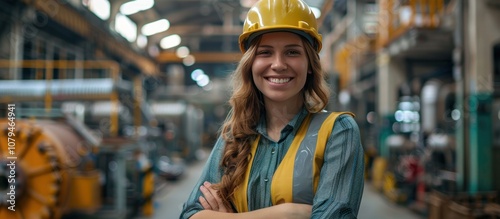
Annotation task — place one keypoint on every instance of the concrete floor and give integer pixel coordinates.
(171, 195)
(169, 199)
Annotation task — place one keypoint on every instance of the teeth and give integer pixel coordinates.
(279, 80)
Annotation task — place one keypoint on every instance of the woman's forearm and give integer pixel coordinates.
(258, 214)
(285, 211)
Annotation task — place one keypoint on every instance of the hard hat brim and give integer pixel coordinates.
(256, 34)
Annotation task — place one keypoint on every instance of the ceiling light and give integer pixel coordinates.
(170, 41)
(129, 8)
(153, 51)
(155, 27)
(196, 74)
(101, 8)
(202, 80)
(126, 27)
(189, 60)
(182, 52)
(142, 41)
(135, 6)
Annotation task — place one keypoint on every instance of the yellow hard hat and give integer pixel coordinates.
(280, 15)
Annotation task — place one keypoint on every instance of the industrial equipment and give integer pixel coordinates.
(183, 127)
(49, 169)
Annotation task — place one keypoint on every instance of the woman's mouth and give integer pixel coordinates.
(279, 80)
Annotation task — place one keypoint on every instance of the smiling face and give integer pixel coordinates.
(280, 67)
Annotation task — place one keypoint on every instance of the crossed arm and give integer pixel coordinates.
(205, 198)
(214, 208)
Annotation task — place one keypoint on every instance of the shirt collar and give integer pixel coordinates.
(293, 124)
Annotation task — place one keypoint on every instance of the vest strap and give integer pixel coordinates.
(324, 132)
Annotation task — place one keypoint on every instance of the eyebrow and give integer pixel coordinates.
(287, 46)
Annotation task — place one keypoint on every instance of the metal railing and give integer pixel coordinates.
(398, 16)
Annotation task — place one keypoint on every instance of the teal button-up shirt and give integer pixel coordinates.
(341, 179)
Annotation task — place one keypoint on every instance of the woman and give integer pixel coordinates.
(279, 154)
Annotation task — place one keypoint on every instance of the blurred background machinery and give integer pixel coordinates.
(55, 171)
(182, 125)
(431, 113)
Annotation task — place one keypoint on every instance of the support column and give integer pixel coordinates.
(390, 76)
(120, 178)
(16, 42)
(480, 39)
(458, 75)
(138, 101)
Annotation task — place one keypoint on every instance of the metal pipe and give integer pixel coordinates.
(50, 65)
(60, 64)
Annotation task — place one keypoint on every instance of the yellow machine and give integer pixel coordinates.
(47, 168)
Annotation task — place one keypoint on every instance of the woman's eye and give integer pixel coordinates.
(293, 52)
(263, 52)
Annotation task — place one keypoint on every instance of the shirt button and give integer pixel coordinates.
(265, 180)
(272, 151)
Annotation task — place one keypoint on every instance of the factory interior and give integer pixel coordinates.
(109, 108)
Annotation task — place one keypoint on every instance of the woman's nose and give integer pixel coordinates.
(279, 63)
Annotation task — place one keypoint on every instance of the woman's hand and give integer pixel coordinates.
(215, 209)
(211, 200)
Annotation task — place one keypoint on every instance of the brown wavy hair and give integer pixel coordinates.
(238, 131)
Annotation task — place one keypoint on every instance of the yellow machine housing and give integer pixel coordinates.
(54, 170)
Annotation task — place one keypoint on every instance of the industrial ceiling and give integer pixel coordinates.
(209, 28)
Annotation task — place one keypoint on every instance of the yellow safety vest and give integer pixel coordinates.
(297, 176)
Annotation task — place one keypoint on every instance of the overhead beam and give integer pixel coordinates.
(178, 15)
(207, 57)
(144, 17)
(70, 18)
(198, 30)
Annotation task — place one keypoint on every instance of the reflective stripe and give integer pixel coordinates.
(303, 171)
(281, 185)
